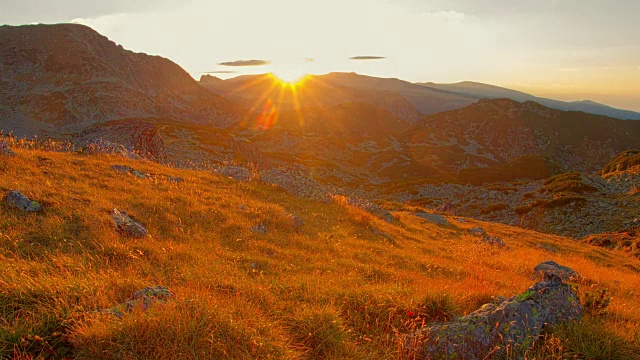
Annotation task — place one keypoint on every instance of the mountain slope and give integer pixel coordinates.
(493, 132)
(62, 78)
(312, 91)
(344, 284)
(485, 91)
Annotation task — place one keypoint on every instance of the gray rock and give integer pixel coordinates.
(129, 170)
(236, 172)
(296, 221)
(260, 229)
(16, 200)
(493, 240)
(142, 299)
(546, 247)
(552, 268)
(126, 225)
(477, 231)
(516, 322)
(5, 150)
(124, 169)
(370, 207)
(434, 218)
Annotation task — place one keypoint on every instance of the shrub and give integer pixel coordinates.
(623, 161)
(319, 332)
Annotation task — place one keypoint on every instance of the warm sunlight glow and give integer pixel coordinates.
(290, 76)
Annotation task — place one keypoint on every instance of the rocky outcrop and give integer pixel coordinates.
(434, 218)
(551, 267)
(514, 323)
(126, 225)
(16, 200)
(236, 172)
(133, 138)
(296, 180)
(66, 77)
(367, 206)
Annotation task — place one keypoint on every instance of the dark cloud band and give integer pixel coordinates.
(221, 72)
(246, 63)
(367, 58)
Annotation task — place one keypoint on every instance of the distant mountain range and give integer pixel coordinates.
(484, 91)
(69, 82)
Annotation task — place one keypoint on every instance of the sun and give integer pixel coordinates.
(289, 76)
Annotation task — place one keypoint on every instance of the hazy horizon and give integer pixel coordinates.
(561, 49)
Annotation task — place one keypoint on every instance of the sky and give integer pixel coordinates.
(564, 49)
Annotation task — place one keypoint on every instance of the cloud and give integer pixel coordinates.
(221, 72)
(367, 57)
(246, 63)
(450, 15)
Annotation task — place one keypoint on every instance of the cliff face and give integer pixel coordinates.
(62, 78)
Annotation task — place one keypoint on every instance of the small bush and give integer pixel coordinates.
(319, 332)
(596, 302)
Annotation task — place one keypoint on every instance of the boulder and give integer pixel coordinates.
(5, 150)
(297, 181)
(126, 225)
(16, 200)
(552, 268)
(434, 218)
(130, 137)
(514, 323)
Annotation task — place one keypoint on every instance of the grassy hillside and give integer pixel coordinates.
(336, 288)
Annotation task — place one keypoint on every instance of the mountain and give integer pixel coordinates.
(485, 91)
(493, 132)
(255, 90)
(57, 79)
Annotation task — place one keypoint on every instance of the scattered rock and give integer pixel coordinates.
(517, 322)
(434, 218)
(129, 170)
(16, 200)
(5, 150)
(175, 180)
(546, 247)
(236, 172)
(296, 221)
(297, 181)
(367, 206)
(552, 268)
(447, 207)
(381, 233)
(124, 169)
(493, 240)
(260, 229)
(242, 207)
(142, 299)
(477, 231)
(126, 225)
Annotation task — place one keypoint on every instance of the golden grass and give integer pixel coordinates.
(333, 289)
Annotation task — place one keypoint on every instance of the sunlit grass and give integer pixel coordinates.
(332, 289)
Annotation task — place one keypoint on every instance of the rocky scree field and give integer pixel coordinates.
(241, 270)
